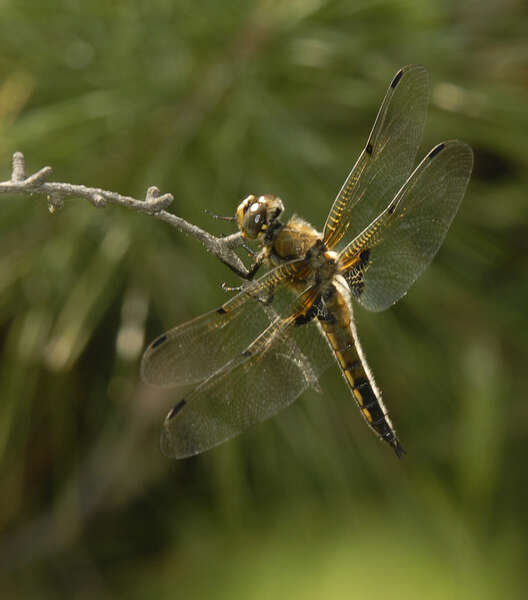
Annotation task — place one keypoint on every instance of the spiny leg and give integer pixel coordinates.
(218, 217)
(251, 272)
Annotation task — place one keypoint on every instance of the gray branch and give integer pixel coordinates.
(154, 204)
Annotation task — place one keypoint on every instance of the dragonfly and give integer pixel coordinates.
(242, 362)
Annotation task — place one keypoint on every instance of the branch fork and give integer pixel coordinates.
(154, 204)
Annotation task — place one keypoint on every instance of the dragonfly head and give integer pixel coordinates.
(256, 214)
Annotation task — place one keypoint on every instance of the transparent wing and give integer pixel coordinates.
(280, 364)
(389, 255)
(387, 159)
(189, 353)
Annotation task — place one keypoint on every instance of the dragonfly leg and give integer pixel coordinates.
(228, 288)
(249, 250)
(252, 270)
(266, 298)
(218, 217)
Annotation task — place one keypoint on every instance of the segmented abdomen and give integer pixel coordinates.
(338, 325)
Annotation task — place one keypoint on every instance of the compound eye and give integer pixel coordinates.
(254, 219)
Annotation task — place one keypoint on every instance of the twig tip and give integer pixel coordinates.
(41, 176)
(18, 167)
(155, 201)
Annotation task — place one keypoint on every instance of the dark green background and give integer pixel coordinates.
(213, 100)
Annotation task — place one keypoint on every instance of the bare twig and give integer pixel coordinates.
(154, 204)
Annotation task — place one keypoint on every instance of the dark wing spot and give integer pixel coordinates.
(357, 289)
(391, 208)
(158, 342)
(355, 277)
(221, 311)
(247, 353)
(364, 257)
(369, 148)
(305, 318)
(176, 409)
(396, 79)
(436, 150)
(316, 310)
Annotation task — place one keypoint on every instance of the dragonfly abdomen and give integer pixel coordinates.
(342, 337)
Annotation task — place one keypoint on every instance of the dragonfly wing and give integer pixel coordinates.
(387, 159)
(189, 353)
(402, 241)
(267, 376)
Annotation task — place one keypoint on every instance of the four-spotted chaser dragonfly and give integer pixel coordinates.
(241, 363)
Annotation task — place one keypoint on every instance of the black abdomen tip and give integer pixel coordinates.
(398, 448)
(364, 257)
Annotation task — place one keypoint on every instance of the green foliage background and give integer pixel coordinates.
(212, 100)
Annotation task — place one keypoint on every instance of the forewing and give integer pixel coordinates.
(269, 375)
(387, 159)
(403, 240)
(189, 353)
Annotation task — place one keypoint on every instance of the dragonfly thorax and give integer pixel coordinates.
(323, 262)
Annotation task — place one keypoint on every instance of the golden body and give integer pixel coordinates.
(332, 304)
(252, 356)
